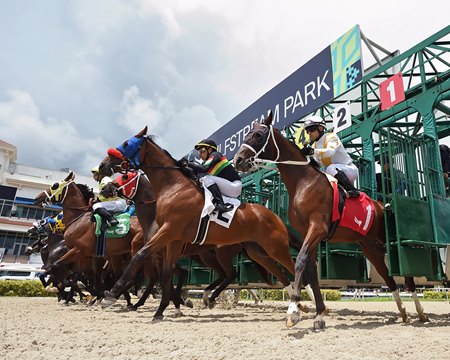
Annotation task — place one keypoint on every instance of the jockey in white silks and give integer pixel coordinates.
(330, 154)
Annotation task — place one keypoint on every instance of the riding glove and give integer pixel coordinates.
(307, 150)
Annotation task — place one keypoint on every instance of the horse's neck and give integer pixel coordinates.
(74, 204)
(53, 239)
(145, 203)
(293, 175)
(163, 179)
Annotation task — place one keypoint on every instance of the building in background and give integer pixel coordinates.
(19, 185)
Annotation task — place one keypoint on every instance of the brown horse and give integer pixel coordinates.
(310, 205)
(79, 234)
(219, 259)
(179, 203)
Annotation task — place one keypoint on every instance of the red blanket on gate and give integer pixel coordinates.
(358, 213)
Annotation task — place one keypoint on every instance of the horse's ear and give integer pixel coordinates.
(69, 177)
(269, 118)
(142, 133)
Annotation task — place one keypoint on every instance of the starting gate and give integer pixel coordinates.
(404, 137)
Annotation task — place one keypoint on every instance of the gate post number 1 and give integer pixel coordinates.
(392, 91)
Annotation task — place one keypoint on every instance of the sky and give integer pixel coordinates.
(77, 77)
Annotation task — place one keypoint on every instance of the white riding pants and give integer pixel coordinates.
(227, 188)
(350, 170)
(115, 206)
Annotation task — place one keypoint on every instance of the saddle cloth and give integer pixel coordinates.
(358, 213)
(116, 231)
(208, 214)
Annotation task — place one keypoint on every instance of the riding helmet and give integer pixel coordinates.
(207, 143)
(314, 121)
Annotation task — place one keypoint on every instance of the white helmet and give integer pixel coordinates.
(314, 121)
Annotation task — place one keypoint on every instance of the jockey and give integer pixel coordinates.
(106, 207)
(221, 177)
(330, 154)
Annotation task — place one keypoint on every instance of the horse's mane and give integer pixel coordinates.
(312, 162)
(183, 170)
(86, 191)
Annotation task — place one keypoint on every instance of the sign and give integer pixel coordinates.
(392, 91)
(342, 118)
(333, 71)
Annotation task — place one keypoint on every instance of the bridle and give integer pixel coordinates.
(51, 197)
(256, 162)
(132, 164)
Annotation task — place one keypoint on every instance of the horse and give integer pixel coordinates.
(310, 209)
(179, 203)
(79, 234)
(219, 259)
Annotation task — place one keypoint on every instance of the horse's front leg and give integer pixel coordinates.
(309, 246)
(170, 255)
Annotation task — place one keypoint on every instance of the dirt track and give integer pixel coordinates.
(40, 328)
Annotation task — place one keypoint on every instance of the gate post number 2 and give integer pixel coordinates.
(392, 91)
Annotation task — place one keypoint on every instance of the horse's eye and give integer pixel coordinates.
(54, 186)
(258, 137)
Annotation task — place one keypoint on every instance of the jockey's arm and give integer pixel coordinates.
(333, 143)
(213, 159)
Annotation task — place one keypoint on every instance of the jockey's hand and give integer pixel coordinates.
(183, 162)
(307, 150)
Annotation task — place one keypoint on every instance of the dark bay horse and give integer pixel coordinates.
(79, 234)
(219, 259)
(179, 203)
(50, 245)
(310, 206)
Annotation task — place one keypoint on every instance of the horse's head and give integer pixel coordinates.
(114, 162)
(255, 144)
(110, 189)
(128, 154)
(56, 193)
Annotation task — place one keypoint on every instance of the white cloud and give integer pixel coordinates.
(47, 143)
(91, 74)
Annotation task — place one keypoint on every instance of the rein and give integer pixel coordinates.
(256, 160)
(73, 220)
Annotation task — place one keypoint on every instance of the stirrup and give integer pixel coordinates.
(223, 208)
(112, 222)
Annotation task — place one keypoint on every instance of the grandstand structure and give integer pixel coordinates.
(19, 185)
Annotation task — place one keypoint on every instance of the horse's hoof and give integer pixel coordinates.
(423, 318)
(291, 320)
(178, 314)
(51, 289)
(212, 304)
(107, 302)
(205, 303)
(406, 318)
(188, 303)
(132, 308)
(157, 318)
(319, 324)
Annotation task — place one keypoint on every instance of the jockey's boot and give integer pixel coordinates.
(342, 179)
(218, 200)
(106, 215)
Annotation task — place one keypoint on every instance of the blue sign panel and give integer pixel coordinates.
(307, 89)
